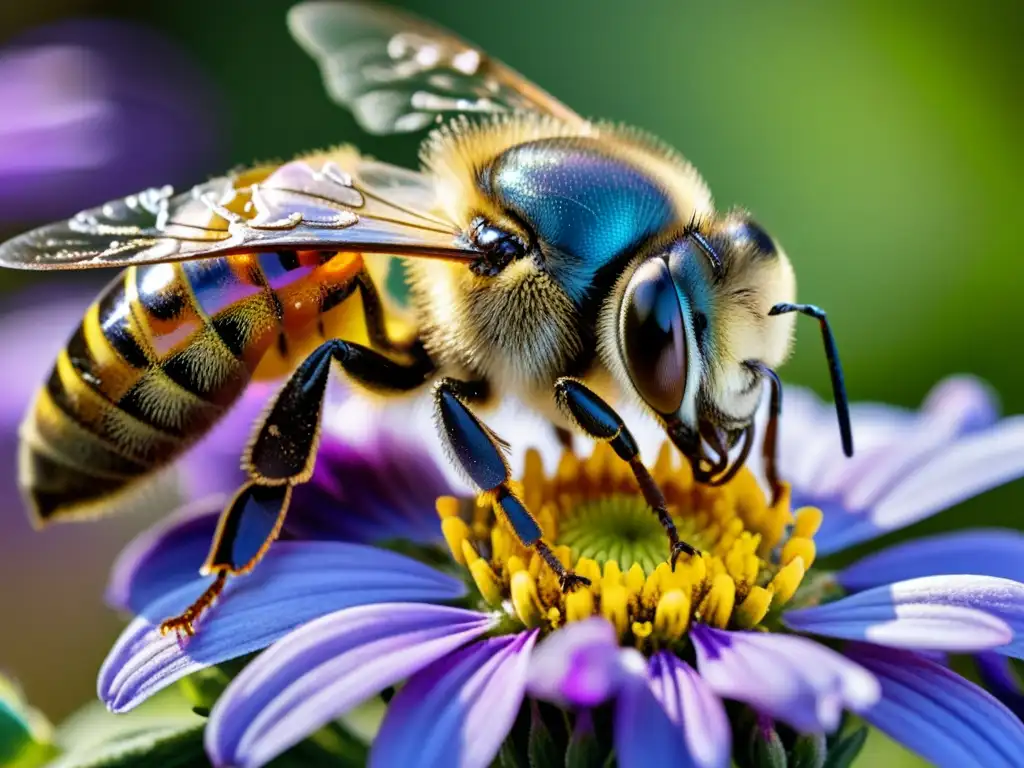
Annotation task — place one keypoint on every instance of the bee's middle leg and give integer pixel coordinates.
(282, 454)
(479, 452)
(599, 421)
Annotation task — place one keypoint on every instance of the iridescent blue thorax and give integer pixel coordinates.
(586, 208)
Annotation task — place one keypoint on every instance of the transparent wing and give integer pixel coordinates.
(310, 204)
(399, 73)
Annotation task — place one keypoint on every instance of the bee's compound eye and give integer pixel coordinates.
(500, 246)
(652, 337)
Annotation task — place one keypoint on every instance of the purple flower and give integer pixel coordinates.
(662, 648)
(94, 110)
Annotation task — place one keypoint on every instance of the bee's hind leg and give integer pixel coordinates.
(479, 452)
(282, 454)
(599, 421)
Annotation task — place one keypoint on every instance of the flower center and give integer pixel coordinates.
(753, 555)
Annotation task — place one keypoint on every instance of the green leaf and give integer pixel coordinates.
(541, 750)
(845, 750)
(765, 748)
(25, 735)
(203, 687)
(509, 756)
(332, 746)
(584, 751)
(148, 748)
(808, 751)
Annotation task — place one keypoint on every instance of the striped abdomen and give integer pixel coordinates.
(157, 360)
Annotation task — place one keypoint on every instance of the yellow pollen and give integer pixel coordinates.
(799, 547)
(808, 521)
(787, 580)
(716, 608)
(447, 506)
(579, 605)
(486, 582)
(753, 609)
(469, 554)
(752, 555)
(456, 533)
(672, 613)
(525, 599)
(614, 606)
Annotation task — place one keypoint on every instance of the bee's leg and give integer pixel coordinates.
(373, 315)
(282, 454)
(599, 421)
(246, 529)
(479, 453)
(770, 447)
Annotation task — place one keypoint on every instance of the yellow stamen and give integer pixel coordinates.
(469, 553)
(673, 613)
(753, 609)
(741, 561)
(456, 533)
(613, 606)
(786, 581)
(447, 506)
(635, 580)
(589, 569)
(525, 599)
(689, 571)
(579, 605)
(612, 573)
(641, 631)
(752, 555)
(799, 547)
(554, 617)
(717, 605)
(486, 581)
(808, 521)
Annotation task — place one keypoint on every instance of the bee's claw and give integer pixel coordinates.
(569, 580)
(680, 548)
(180, 625)
(184, 625)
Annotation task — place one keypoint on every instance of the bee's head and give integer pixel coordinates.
(660, 329)
(689, 312)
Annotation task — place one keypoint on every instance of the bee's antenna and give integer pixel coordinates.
(693, 230)
(835, 368)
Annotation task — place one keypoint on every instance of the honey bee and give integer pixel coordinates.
(565, 262)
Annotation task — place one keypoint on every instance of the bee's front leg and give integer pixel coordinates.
(599, 421)
(282, 455)
(479, 452)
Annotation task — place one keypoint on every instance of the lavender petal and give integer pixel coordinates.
(457, 711)
(974, 464)
(694, 708)
(320, 671)
(792, 679)
(164, 557)
(295, 583)
(984, 552)
(579, 665)
(945, 613)
(644, 733)
(370, 490)
(937, 713)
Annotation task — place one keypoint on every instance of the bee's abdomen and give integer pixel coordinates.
(160, 356)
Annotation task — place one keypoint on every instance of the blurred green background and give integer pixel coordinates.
(879, 142)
